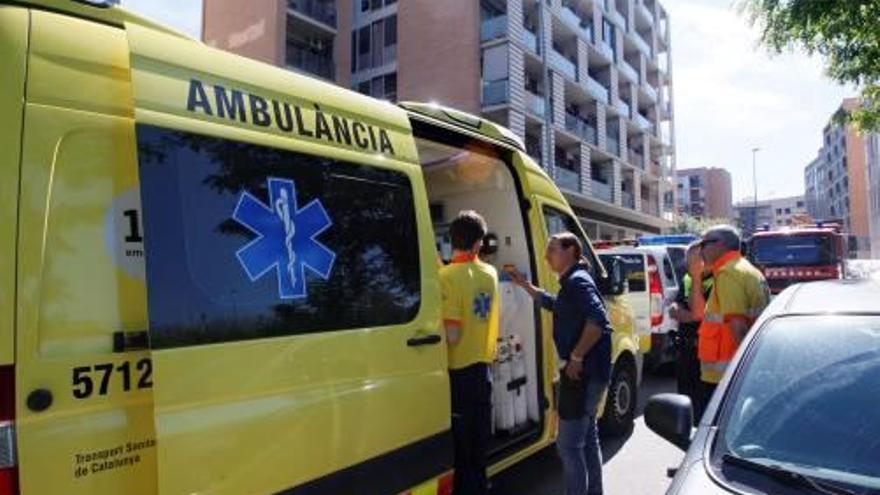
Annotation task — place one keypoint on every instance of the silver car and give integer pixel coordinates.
(799, 408)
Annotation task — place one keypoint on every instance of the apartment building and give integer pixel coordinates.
(586, 84)
(873, 156)
(836, 181)
(705, 192)
(771, 213)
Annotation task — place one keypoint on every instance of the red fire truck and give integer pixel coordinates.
(799, 254)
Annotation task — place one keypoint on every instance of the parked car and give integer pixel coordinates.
(797, 411)
(653, 287)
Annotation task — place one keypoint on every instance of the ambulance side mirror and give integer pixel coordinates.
(615, 283)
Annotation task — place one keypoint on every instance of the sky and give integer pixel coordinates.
(730, 94)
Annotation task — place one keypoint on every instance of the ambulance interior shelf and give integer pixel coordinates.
(457, 179)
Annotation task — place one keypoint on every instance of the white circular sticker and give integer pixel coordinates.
(124, 233)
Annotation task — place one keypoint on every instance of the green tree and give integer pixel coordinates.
(846, 33)
(686, 224)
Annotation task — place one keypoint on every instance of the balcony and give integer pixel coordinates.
(606, 50)
(612, 145)
(645, 12)
(324, 12)
(630, 72)
(493, 28)
(650, 92)
(495, 93)
(535, 104)
(580, 128)
(563, 64)
(622, 107)
(530, 40)
(568, 179)
(636, 159)
(643, 122)
(570, 16)
(597, 90)
(305, 60)
(628, 200)
(602, 191)
(650, 207)
(615, 17)
(642, 45)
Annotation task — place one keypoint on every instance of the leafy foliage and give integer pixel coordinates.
(846, 33)
(686, 224)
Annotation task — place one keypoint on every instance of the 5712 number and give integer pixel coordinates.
(88, 380)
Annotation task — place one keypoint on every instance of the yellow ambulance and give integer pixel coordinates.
(220, 277)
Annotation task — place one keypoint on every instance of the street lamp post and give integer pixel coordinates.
(755, 185)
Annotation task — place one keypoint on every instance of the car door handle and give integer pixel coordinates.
(431, 339)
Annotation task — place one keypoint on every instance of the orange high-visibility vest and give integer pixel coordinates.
(739, 292)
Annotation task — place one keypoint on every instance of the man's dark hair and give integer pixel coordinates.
(468, 228)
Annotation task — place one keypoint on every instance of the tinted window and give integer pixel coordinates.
(793, 250)
(668, 271)
(633, 269)
(807, 399)
(246, 242)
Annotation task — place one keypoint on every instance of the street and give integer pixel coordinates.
(634, 465)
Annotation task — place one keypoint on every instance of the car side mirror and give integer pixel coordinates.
(615, 283)
(672, 417)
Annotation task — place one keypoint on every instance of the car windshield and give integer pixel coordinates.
(808, 399)
(793, 250)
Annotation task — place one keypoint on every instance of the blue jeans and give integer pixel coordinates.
(578, 446)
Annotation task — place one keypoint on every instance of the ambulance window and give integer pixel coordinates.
(558, 221)
(245, 242)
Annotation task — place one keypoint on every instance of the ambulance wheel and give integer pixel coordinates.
(620, 403)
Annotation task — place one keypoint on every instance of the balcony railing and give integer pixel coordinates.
(636, 159)
(650, 91)
(581, 128)
(597, 90)
(568, 179)
(530, 39)
(602, 191)
(563, 64)
(495, 93)
(535, 104)
(642, 45)
(643, 122)
(606, 49)
(493, 28)
(630, 71)
(323, 11)
(612, 145)
(615, 17)
(308, 61)
(622, 107)
(628, 200)
(570, 16)
(645, 13)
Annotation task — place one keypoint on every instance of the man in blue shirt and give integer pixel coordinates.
(582, 334)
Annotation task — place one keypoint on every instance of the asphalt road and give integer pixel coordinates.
(635, 464)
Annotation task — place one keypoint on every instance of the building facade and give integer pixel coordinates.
(586, 84)
(873, 166)
(705, 192)
(771, 213)
(836, 181)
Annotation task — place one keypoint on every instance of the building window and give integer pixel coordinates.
(202, 290)
(779, 211)
(800, 204)
(376, 44)
(788, 211)
(608, 34)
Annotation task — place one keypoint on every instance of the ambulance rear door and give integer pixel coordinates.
(293, 297)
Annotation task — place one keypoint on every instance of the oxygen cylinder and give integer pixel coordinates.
(504, 413)
(518, 376)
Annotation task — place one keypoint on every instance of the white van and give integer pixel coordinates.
(653, 287)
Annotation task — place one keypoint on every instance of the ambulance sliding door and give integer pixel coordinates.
(292, 290)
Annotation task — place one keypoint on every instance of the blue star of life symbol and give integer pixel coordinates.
(286, 239)
(482, 305)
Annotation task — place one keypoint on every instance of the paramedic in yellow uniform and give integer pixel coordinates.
(738, 296)
(470, 315)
